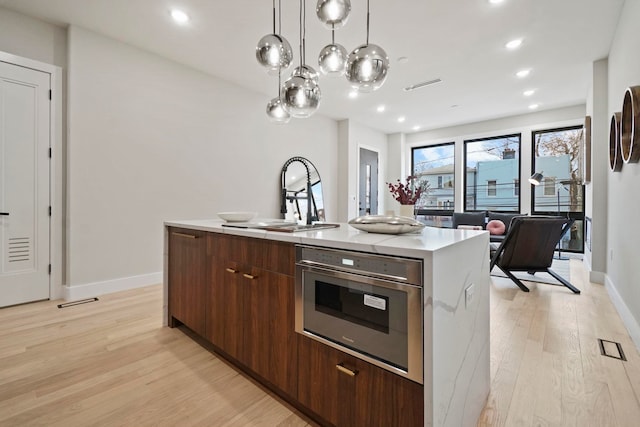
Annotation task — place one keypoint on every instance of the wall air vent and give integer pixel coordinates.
(421, 85)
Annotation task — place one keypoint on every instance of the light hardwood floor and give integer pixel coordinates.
(111, 363)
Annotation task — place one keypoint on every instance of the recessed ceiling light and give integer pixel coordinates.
(179, 16)
(523, 73)
(416, 127)
(401, 119)
(529, 92)
(495, 1)
(533, 106)
(380, 108)
(353, 94)
(514, 44)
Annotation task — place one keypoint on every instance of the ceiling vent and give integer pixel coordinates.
(421, 85)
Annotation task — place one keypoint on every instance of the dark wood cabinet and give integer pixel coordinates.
(239, 294)
(346, 391)
(188, 278)
(251, 315)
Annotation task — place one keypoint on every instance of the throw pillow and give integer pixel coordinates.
(496, 227)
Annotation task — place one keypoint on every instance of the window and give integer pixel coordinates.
(557, 155)
(492, 173)
(434, 164)
(549, 186)
(491, 187)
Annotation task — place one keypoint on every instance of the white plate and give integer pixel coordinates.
(237, 216)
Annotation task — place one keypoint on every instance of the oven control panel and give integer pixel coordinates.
(404, 270)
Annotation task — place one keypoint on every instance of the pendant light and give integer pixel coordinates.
(300, 93)
(275, 108)
(367, 65)
(333, 58)
(333, 13)
(274, 51)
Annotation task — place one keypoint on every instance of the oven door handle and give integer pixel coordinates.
(325, 267)
(369, 280)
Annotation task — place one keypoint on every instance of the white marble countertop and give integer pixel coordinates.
(431, 239)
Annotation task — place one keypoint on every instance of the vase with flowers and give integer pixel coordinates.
(407, 193)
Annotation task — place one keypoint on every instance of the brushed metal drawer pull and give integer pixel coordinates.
(188, 236)
(249, 276)
(231, 270)
(347, 371)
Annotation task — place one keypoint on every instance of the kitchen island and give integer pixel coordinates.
(235, 288)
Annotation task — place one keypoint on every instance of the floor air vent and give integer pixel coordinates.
(611, 349)
(72, 303)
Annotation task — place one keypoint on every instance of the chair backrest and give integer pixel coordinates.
(531, 242)
(469, 218)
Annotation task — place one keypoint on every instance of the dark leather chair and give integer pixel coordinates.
(529, 246)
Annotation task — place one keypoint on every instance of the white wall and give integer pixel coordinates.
(354, 136)
(623, 233)
(524, 124)
(32, 38)
(152, 140)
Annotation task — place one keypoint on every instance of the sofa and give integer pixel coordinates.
(482, 221)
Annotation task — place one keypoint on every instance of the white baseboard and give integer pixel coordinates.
(627, 318)
(594, 276)
(90, 290)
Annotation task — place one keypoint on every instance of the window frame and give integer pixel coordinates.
(464, 165)
(437, 212)
(577, 216)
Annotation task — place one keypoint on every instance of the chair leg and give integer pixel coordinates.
(514, 279)
(563, 281)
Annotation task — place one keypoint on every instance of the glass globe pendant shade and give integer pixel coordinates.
(274, 52)
(306, 72)
(276, 112)
(333, 13)
(367, 67)
(333, 60)
(300, 96)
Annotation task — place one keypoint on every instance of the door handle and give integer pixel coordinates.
(4, 213)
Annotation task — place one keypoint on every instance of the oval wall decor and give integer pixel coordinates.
(630, 125)
(615, 155)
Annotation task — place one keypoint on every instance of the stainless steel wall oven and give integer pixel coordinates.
(367, 305)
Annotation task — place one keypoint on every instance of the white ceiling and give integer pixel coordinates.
(460, 41)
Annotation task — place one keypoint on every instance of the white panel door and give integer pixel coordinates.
(24, 184)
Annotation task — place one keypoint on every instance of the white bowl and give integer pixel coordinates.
(237, 216)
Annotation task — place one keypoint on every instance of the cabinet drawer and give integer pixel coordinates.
(278, 257)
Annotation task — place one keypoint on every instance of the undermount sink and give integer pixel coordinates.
(290, 228)
(279, 225)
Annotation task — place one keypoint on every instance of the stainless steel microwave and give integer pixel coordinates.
(367, 305)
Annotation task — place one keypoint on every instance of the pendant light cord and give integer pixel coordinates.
(279, 18)
(301, 3)
(304, 32)
(333, 33)
(367, 21)
(274, 16)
